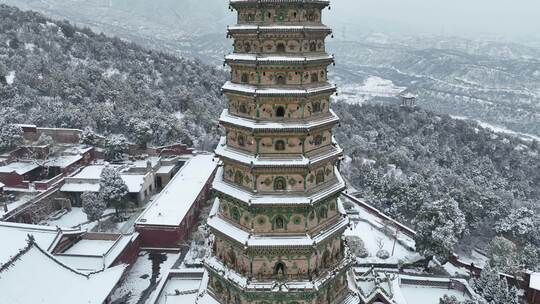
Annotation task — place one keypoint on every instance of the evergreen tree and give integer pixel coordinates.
(93, 206)
(10, 136)
(113, 189)
(439, 226)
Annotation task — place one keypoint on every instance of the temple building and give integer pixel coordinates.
(277, 220)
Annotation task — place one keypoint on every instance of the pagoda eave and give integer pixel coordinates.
(266, 127)
(279, 199)
(255, 29)
(256, 162)
(256, 60)
(251, 90)
(255, 3)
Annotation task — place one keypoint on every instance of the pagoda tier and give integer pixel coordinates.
(264, 91)
(277, 220)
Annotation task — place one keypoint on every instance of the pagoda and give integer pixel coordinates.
(277, 221)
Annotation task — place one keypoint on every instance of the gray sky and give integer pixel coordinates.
(495, 18)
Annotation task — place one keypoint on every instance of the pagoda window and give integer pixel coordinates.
(244, 78)
(280, 112)
(235, 214)
(241, 141)
(320, 177)
(314, 77)
(238, 178)
(280, 183)
(242, 109)
(316, 107)
(280, 269)
(280, 48)
(281, 80)
(247, 47)
(313, 46)
(318, 140)
(279, 223)
(323, 213)
(280, 145)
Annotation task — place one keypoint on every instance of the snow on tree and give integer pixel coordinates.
(10, 136)
(502, 254)
(519, 222)
(446, 299)
(115, 147)
(439, 227)
(113, 189)
(45, 140)
(142, 132)
(493, 289)
(89, 137)
(357, 246)
(93, 206)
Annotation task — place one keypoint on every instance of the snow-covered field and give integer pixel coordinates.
(372, 87)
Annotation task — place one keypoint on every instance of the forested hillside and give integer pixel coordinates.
(407, 162)
(54, 74)
(412, 164)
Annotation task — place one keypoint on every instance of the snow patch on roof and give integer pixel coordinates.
(175, 201)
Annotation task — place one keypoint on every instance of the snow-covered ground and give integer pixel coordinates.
(370, 229)
(139, 276)
(428, 295)
(372, 87)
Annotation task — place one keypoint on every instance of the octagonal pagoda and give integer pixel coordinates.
(277, 221)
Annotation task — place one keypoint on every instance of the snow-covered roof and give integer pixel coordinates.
(239, 28)
(73, 186)
(1, 185)
(270, 59)
(222, 226)
(174, 202)
(535, 281)
(134, 182)
(165, 169)
(94, 254)
(20, 168)
(278, 198)
(37, 277)
(258, 2)
(87, 180)
(285, 126)
(248, 89)
(14, 236)
(286, 160)
(62, 161)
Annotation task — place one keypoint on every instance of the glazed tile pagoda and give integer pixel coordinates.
(277, 221)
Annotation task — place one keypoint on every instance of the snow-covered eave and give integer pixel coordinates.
(306, 126)
(262, 91)
(241, 3)
(256, 29)
(308, 199)
(277, 161)
(256, 59)
(228, 230)
(217, 267)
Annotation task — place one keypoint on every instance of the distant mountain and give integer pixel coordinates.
(492, 81)
(57, 75)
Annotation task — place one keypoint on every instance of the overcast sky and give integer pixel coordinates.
(495, 18)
